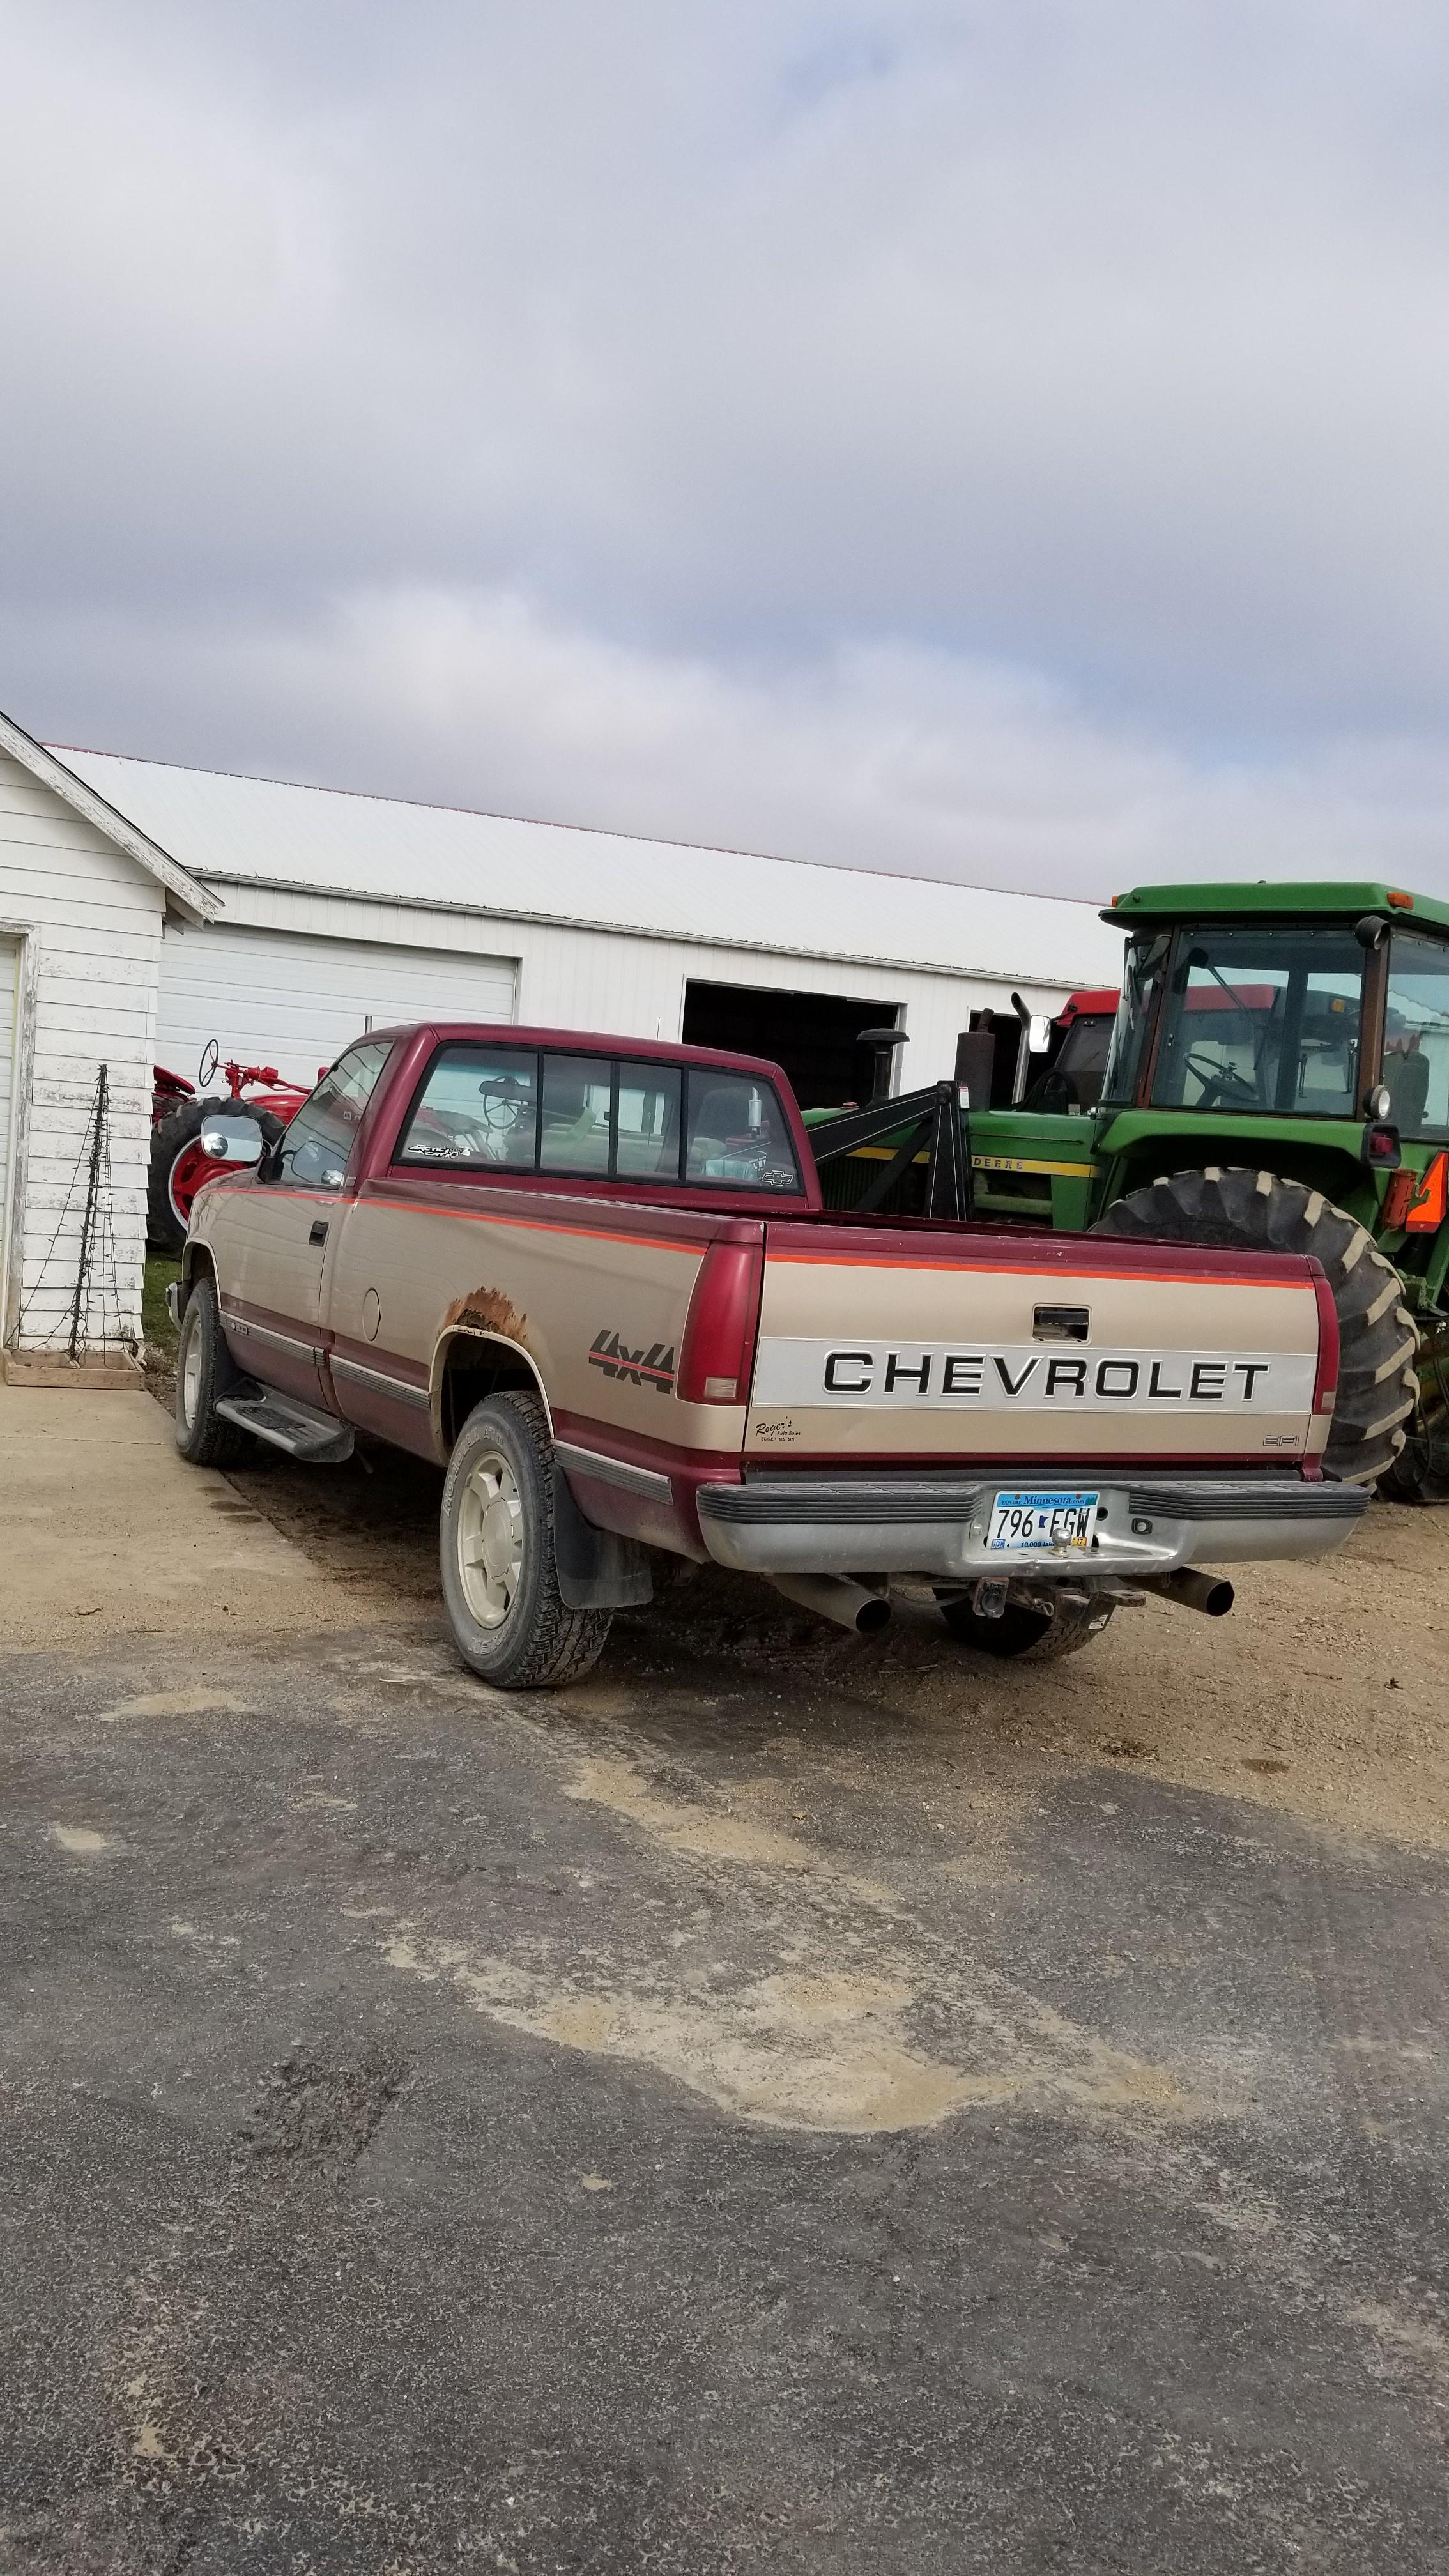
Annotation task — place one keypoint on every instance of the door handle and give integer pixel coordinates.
(319, 1230)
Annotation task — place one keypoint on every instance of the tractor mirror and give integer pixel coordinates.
(232, 1140)
(1039, 1035)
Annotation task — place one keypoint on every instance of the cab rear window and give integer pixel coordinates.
(514, 1109)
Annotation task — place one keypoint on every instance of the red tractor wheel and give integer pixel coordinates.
(180, 1164)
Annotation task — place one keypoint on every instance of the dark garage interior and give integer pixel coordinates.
(815, 1036)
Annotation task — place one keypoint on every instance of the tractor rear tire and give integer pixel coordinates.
(172, 1137)
(1239, 1210)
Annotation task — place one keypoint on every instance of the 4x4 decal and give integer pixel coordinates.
(654, 1367)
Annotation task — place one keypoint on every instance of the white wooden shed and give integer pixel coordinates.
(84, 898)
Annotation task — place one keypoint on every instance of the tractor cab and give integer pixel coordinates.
(1285, 1018)
(1302, 1026)
(1277, 1078)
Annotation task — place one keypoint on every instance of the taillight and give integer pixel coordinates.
(719, 1330)
(1325, 1384)
(1380, 1146)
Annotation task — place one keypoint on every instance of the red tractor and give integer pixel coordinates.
(179, 1162)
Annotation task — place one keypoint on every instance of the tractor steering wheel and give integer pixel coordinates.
(1218, 1082)
(210, 1059)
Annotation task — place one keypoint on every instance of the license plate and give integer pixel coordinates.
(1046, 1520)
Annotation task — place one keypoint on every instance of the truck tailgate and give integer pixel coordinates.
(924, 1342)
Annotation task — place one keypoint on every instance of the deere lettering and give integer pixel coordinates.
(799, 1372)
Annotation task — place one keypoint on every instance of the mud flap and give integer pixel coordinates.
(597, 1570)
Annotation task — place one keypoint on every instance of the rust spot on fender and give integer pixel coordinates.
(487, 1310)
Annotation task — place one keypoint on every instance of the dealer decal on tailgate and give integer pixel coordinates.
(793, 1371)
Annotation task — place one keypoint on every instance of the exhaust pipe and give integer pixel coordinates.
(832, 1597)
(1210, 1593)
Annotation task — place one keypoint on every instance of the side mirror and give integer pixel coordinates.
(232, 1140)
(1038, 1036)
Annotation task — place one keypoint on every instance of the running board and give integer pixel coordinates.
(303, 1430)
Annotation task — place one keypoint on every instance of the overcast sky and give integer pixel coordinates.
(999, 439)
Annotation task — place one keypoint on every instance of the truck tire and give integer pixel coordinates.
(178, 1164)
(1261, 1212)
(510, 1622)
(1040, 1635)
(204, 1371)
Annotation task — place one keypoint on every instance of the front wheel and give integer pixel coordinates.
(509, 1620)
(1041, 1635)
(204, 1371)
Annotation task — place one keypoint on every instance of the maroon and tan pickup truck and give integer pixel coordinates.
(593, 1279)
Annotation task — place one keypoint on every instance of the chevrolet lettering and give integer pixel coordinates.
(593, 1279)
(809, 1373)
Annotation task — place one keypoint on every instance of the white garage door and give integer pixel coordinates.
(277, 997)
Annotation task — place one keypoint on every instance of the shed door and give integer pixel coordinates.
(9, 1014)
(282, 997)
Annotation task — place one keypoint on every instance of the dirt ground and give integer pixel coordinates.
(1323, 1694)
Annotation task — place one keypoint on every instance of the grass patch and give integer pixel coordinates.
(156, 1324)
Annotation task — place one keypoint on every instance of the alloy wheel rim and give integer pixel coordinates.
(190, 1378)
(490, 1539)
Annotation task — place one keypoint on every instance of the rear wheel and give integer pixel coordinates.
(1261, 1212)
(1041, 1635)
(509, 1620)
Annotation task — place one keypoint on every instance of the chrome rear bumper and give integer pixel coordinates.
(937, 1525)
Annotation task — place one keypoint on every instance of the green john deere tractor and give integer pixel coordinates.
(1278, 1078)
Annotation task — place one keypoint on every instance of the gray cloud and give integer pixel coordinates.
(1002, 439)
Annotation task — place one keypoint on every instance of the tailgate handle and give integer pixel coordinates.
(319, 1230)
(1061, 1323)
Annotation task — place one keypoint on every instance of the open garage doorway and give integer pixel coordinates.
(815, 1036)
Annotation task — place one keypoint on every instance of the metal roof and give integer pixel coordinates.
(322, 840)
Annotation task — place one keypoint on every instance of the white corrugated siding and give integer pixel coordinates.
(268, 996)
(605, 980)
(9, 1021)
(95, 918)
(262, 830)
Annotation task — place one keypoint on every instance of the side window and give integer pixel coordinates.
(647, 1148)
(578, 1122)
(736, 1134)
(477, 1105)
(320, 1138)
(1416, 1034)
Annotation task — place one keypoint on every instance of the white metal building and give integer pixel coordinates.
(145, 910)
(342, 909)
(84, 897)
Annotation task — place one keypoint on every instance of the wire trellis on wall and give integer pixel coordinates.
(92, 1318)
